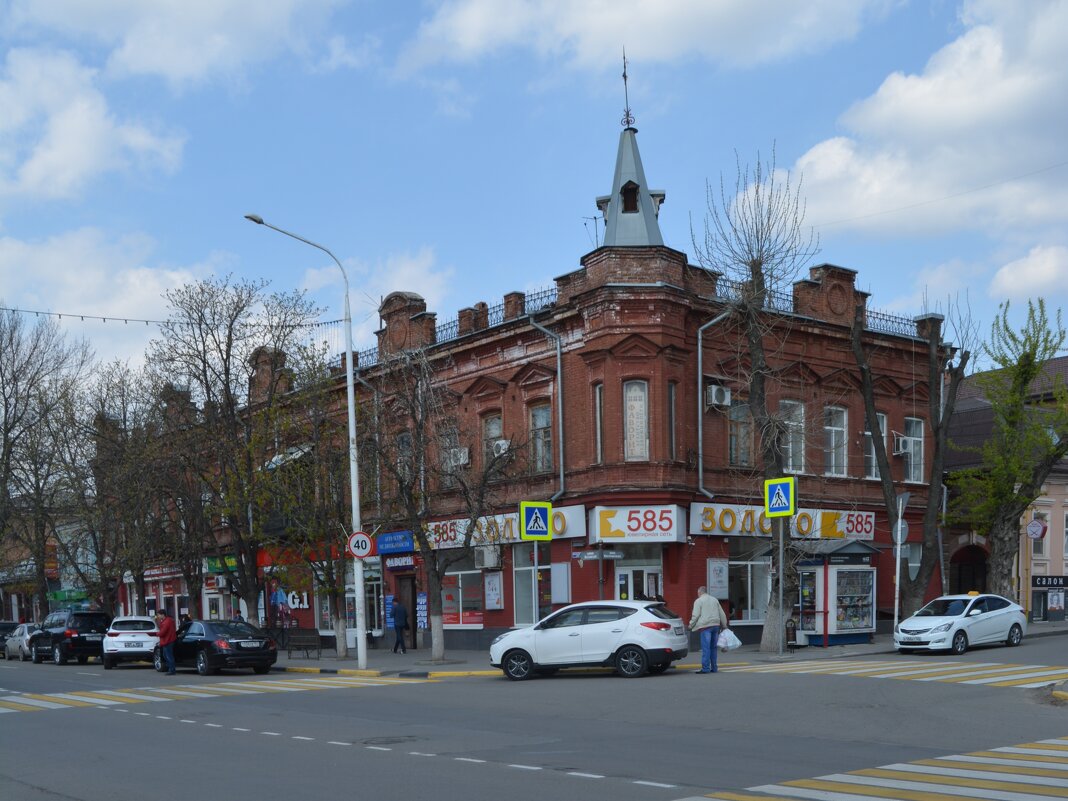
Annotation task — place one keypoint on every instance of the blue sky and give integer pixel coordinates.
(455, 148)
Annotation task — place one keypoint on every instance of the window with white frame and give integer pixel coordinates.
(1038, 547)
(491, 433)
(871, 463)
(834, 441)
(740, 435)
(913, 438)
(792, 414)
(541, 438)
(598, 423)
(531, 579)
(636, 421)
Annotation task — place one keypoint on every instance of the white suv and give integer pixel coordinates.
(634, 637)
(130, 639)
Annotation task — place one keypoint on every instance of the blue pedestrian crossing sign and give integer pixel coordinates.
(535, 519)
(780, 497)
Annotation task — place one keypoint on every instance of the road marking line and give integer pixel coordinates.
(335, 742)
(298, 737)
(525, 767)
(654, 784)
(469, 759)
(117, 696)
(62, 698)
(377, 748)
(964, 773)
(183, 720)
(585, 775)
(164, 717)
(143, 714)
(180, 693)
(272, 733)
(213, 725)
(25, 699)
(238, 728)
(14, 706)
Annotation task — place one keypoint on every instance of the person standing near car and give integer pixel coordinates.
(706, 619)
(167, 638)
(400, 623)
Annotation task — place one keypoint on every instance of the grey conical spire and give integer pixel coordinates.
(631, 211)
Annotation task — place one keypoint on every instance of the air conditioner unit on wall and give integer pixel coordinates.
(487, 556)
(717, 395)
(501, 446)
(457, 457)
(901, 444)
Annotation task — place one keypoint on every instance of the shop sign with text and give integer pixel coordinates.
(750, 521)
(567, 521)
(614, 524)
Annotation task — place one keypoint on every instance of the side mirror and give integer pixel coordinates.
(974, 612)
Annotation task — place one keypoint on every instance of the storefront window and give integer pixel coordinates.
(748, 580)
(533, 582)
(461, 598)
(372, 602)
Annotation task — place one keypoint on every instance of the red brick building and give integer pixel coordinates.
(643, 441)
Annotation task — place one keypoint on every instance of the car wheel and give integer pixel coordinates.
(517, 665)
(656, 670)
(57, 656)
(260, 669)
(157, 661)
(960, 643)
(631, 662)
(1015, 635)
(35, 655)
(203, 668)
(108, 662)
(23, 656)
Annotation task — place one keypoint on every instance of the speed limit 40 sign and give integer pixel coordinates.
(361, 545)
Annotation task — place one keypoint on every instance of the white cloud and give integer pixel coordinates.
(1041, 273)
(183, 42)
(57, 132)
(83, 272)
(966, 143)
(341, 54)
(589, 35)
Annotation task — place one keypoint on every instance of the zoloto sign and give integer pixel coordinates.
(750, 521)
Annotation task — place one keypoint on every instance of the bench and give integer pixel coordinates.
(306, 640)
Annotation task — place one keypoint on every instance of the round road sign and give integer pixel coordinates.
(901, 531)
(361, 545)
(1036, 529)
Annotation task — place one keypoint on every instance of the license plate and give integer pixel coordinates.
(678, 629)
(251, 645)
(132, 644)
(93, 636)
(911, 639)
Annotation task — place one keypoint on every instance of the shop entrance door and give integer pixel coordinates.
(406, 593)
(644, 583)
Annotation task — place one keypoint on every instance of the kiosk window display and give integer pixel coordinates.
(836, 603)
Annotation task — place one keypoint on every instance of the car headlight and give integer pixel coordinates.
(940, 629)
(499, 637)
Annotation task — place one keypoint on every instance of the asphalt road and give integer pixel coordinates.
(571, 736)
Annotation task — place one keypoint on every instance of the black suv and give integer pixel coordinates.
(68, 634)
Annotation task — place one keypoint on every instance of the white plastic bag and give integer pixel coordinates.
(728, 641)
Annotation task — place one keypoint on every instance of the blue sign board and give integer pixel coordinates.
(536, 520)
(780, 497)
(395, 542)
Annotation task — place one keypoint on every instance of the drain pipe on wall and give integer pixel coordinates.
(559, 398)
(701, 403)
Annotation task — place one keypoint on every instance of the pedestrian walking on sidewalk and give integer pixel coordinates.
(400, 623)
(167, 638)
(707, 619)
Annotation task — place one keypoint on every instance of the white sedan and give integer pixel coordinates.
(634, 637)
(956, 622)
(132, 638)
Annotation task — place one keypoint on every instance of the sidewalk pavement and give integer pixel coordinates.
(382, 662)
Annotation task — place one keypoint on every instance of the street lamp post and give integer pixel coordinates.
(354, 475)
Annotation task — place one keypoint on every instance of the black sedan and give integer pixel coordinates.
(210, 645)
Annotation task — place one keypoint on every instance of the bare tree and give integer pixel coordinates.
(944, 376)
(419, 429)
(1028, 436)
(755, 237)
(226, 342)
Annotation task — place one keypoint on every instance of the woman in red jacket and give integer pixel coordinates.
(167, 638)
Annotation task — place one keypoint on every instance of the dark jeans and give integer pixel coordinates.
(399, 644)
(168, 657)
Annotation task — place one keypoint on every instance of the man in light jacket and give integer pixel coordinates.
(706, 619)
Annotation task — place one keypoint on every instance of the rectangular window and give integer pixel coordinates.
(672, 392)
(541, 439)
(834, 441)
(598, 423)
(636, 421)
(871, 464)
(532, 581)
(491, 434)
(740, 435)
(793, 444)
(461, 598)
(1038, 547)
(913, 438)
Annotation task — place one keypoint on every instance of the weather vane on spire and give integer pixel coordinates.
(628, 118)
